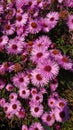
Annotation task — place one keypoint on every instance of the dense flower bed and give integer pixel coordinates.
(34, 40)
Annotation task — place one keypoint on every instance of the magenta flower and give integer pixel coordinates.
(61, 115)
(36, 110)
(20, 80)
(49, 69)
(38, 79)
(13, 97)
(21, 19)
(36, 126)
(9, 87)
(24, 93)
(65, 62)
(38, 55)
(48, 118)
(24, 127)
(42, 42)
(53, 18)
(34, 26)
(70, 22)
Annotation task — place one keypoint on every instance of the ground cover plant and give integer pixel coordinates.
(36, 64)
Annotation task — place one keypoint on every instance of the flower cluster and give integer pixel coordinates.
(32, 61)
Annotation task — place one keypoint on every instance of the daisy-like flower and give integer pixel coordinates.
(2, 102)
(15, 106)
(68, 3)
(48, 118)
(3, 41)
(13, 96)
(20, 113)
(49, 69)
(2, 84)
(6, 107)
(24, 93)
(51, 102)
(53, 18)
(34, 26)
(20, 80)
(20, 3)
(45, 24)
(36, 110)
(42, 42)
(53, 85)
(14, 48)
(36, 126)
(30, 3)
(61, 103)
(9, 28)
(38, 98)
(38, 55)
(33, 91)
(70, 22)
(19, 29)
(10, 14)
(19, 11)
(24, 127)
(55, 54)
(21, 19)
(9, 87)
(61, 115)
(65, 62)
(38, 79)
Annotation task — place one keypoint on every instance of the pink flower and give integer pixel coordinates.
(20, 113)
(51, 102)
(14, 48)
(9, 29)
(21, 19)
(36, 110)
(24, 127)
(38, 79)
(3, 41)
(70, 22)
(9, 87)
(55, 54)
(65, 62)
(20, 3)
(61, 103)
(68, 3)
(38, 55)
(45, 24)
(6, 107)
(2, 84)
(24, 93)
(48, 118)
(38, 98)
(61, 115)
(15, 106)
(33, 91)
(20, 80)
(36, 126)
(53, 85)
(34, 26)
(2, 102)
(49, 69)
(53, 18)
(13, 96)
(43, 42)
